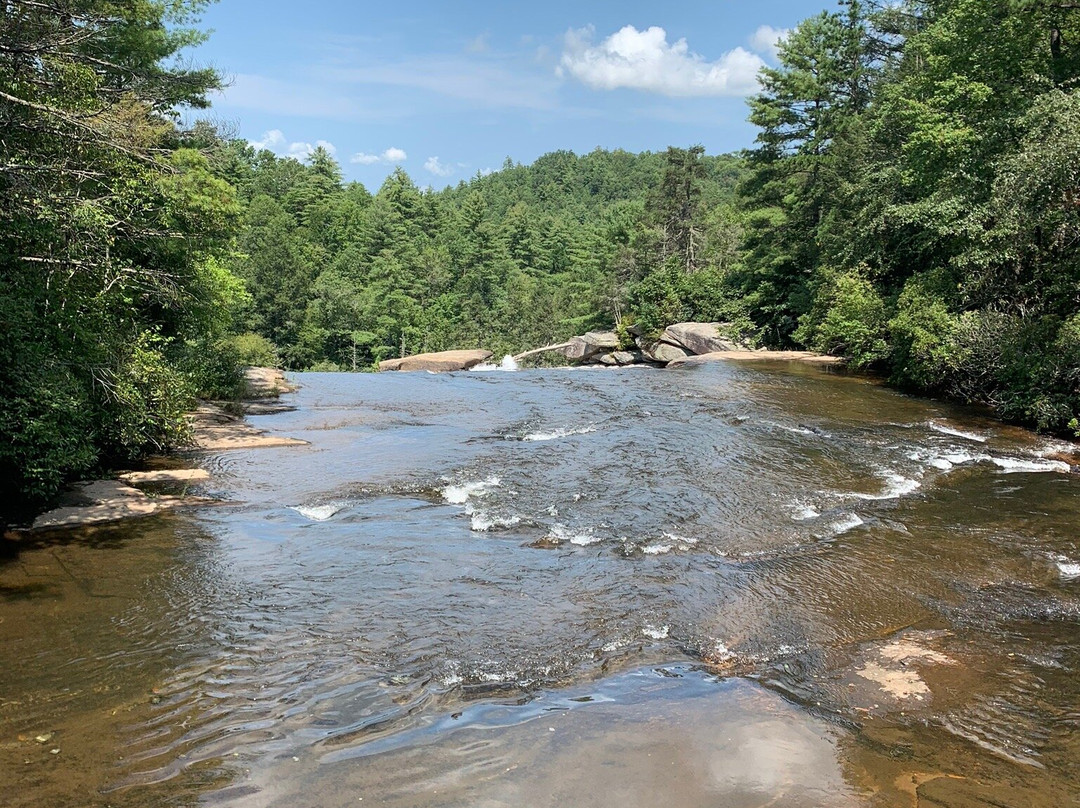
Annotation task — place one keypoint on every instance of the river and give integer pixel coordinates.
(732, 585)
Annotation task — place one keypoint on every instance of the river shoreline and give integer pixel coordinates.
(163, 482)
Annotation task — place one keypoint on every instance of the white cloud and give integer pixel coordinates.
(301, 150)
(438, 169)
(391, 155)
(275, 141)
(644, 60)
(766, 39)
(478, 44)
(272, 140)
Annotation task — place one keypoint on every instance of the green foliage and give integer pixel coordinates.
(255, 350)
(112, 222)
(912, 202)
(524, 257)
(849, 319)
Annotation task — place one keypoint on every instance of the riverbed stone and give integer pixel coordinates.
(626, 357)
(165, 476)
(806, 357)
(102, 501)
(440, 362)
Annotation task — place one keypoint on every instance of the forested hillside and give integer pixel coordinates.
(341, 278)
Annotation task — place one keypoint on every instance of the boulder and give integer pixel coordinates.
(441, 362)
(626, 357)
(590, 345)
(662, 352)
(609, 360)
(700, 338)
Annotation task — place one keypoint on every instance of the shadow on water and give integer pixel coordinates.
(737, 585)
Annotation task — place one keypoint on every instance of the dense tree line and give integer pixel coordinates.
(915, 199)
(113, 301)
(341, 278)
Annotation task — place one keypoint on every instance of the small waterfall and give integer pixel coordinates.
(508, 363)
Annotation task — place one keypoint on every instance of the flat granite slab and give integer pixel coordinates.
(104, 501)
(808, 357)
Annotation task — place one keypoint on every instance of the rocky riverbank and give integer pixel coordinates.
(214, 427)
(679, 345)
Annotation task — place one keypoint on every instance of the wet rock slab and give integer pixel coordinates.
(215, 429)
(103, 501)
(164, 476)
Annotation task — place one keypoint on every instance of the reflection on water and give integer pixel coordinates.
(737, 585)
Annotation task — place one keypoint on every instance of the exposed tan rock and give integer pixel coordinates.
(266, 383)
(591, 345)
(701, 338)
(103, 501)
(808, 357)
(442, 362)
(215, 429)
(165, 476)
(662, 353)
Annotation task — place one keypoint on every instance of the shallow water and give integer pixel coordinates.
(729, 585)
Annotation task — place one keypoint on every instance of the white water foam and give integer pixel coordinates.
(669, 542)
(559, 433)
(801, 511)
(559, 533)
(845, 523)
(896, 485)
(461, 493)
(1011, 465)
(317, 513)
(482, 522)
(507, 365)
(655, 633)
(1068, 569)
(956, 433)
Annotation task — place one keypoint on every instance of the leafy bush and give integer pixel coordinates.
(848, 319)
(921, 334)
(253, 349)
(672, 296)
(142, 401)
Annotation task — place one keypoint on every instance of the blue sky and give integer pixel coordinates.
(449, 89)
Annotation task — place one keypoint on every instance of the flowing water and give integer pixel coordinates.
(733, 585)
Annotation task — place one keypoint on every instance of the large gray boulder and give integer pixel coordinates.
(701, 338)
(441, 362)
(591, 345)
(661, 352)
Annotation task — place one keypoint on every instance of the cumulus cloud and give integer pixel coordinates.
(275, 141)
(645, 60)
(766, 39)
(391, 155)
(272, 140)
(437, 168)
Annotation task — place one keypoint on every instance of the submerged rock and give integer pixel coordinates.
(441, 362)
(165, 476)
(102, 501)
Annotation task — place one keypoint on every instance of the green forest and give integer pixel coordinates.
(911, 203)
